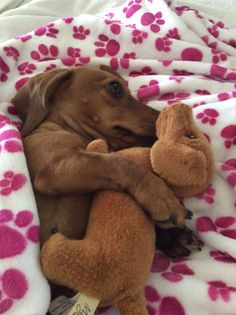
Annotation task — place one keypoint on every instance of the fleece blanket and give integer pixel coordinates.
(167, 54)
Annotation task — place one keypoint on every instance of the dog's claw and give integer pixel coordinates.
(173, 219)
(188, 214)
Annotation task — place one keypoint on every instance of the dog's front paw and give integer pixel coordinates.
(50, 255)
(170, 212)
(177, 242)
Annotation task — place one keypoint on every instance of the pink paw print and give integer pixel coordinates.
(181, 9)
(166, 63)
(13, 286)
(167, 305)
(138, 36)
(106, 46)
(147, 91)
(11, 110)
(202, 92)
(21, 82)
(223, 257)
(45, 53)
(172, 270)
(173, 33)
(68, 19)
(50, 67)
(16, 231)
(114, 26)
(177, 79)
(10, 139)
(199, 104)
(220, 225)
(218, 56)
(213, 30)
(26, 68)
(215, 26)
(10, 182)
(218, 71)
(73, 52)
(132, 7)
(206, 40)
(4, 69)
(73, 58)
(12, 52)
(209, 115)
(48, 30)
(154, 21)
(231, 75)
(232, 43)
(144, 71)
(80, 32)
(163, 44)
(25, 37)
(207, 195)
(219, 289)
(172, 98)
(229, 134)
(124, 61)
(230, 166)
(197, 14)
(4, 120)
(191, 54)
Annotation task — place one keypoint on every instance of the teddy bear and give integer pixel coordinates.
(113, 260)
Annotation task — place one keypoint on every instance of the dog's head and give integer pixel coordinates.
(96, 101)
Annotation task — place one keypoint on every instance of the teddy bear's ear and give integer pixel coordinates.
(99, 146)
(174, 120)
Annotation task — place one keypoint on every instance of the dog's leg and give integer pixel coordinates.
(84, 172)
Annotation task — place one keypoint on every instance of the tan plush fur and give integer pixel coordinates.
(113, 260)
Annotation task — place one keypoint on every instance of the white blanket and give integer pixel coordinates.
(167, 54)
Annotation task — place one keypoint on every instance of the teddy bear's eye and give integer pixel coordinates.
(190, 136)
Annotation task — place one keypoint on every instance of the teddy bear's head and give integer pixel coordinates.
(182, 155)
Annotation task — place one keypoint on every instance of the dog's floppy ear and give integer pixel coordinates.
(32, 101)
(108, 69)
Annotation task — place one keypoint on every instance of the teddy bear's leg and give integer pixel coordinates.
(71, 263)
(132, 305)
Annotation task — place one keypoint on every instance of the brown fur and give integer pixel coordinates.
(113, 261)
(65, 109)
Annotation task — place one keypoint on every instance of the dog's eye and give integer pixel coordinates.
(115, 89)
(190, 136)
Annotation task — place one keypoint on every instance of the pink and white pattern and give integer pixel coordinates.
(167, 54)
(21, 279)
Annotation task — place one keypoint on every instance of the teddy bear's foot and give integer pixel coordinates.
(177, 242)
(132, 305)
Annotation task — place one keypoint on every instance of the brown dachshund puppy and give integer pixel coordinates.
(64, 110)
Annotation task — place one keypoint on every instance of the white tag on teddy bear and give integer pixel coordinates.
(80, 304)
